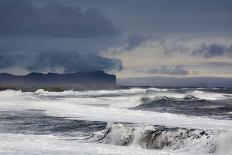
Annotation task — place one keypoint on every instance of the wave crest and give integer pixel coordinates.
(156, 137)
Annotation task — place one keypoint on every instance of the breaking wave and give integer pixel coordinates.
(163, 138)
(188, 105)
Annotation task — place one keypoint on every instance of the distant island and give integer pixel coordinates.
(58, 82)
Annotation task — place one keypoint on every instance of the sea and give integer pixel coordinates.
(132, 121)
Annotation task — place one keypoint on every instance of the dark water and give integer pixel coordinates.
(36, 122)
(189, 105)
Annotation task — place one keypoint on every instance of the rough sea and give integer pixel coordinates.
(136, 121)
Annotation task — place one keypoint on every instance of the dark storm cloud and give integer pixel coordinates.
(166, 70)
(24, 24)
(62, 61)
(5, 61)
(166, 16)
(16, 59)
(32, 26)
(213, 50)
(22, 18)
(73, 61)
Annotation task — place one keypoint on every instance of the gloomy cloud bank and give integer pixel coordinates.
(22, 18)
(180, 38)
(60, 61)
(167, 16)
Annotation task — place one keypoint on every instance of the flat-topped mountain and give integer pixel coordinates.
(85, 80)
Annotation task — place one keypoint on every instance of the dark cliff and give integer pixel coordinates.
(88, 80)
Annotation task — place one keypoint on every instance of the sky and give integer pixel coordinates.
(129, 38)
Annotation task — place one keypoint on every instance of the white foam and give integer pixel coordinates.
(153, 92)
(224, 143)
(92, 93)
(18, 144)
(208, 95)
(109, 106)
(179, 139)
(91, 109)
(10, 93)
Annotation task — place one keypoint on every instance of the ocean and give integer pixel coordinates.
(135, 121)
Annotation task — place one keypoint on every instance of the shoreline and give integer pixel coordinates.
(96, 88)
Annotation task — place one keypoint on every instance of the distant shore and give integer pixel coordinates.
(59, 89)
(116, 87)
(95, 80)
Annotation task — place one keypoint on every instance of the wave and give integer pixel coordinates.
(167, 98)
(157, 92)
(10, 93)
(209, 95)
(163, 138)
(188, 105)
(21, 144)
(151, 119)
(107, 109)
(98, 93)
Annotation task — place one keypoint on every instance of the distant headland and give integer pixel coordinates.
(58, 82)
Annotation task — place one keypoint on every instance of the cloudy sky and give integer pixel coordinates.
(130, 38)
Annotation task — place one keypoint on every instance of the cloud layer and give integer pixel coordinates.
(151, 37)
(178, 56)
(60, 61)
(199, 48)
(213, 50)
(22, 18)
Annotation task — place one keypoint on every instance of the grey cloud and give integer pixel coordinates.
(21, 17)
(166, 70)
(175, 46)
(213, 50)
(133, 41)
(67, 61)
(128, 43)
(16, 59)
(73, 61)
(203, 49)
(167, 16)
(5, 61)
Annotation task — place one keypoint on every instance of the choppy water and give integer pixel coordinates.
(129, 121)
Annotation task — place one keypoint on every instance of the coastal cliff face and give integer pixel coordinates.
(87, 80)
